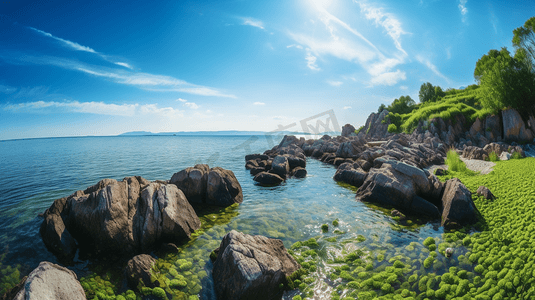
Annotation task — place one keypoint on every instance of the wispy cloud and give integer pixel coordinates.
(253, 22)
(146, 81)
(67, 43)
(431, 67)
(99, 108)
(5, 89)
(390, 23)
(345, 42)
(463, 9)
(191, 105)
(123, 64)
(311, 61)
(347, 107)
(295, 45)
(334, 83)
(259, 103)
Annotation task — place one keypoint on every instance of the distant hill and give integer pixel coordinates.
(212, 133)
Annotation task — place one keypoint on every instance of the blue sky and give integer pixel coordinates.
(108, 67)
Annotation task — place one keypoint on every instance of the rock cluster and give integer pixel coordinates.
(123, 218)
(278, 164)
(251, 267)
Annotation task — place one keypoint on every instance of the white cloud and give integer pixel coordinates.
(191, 105)
(388, 78)
(344, 42)
(311, 61)
(347, 107)
(259, 103)
(334, 83)
(385, 20)
(463, 9)
(295, 45)
(431, 67)
(123, 64)
(67, 43)
(99, 108)
(253, 22)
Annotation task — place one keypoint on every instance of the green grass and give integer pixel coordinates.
(497, 262)
(462, 102)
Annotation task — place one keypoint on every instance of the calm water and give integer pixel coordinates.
(35, 172)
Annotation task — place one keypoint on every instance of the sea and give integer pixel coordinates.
(35, 172)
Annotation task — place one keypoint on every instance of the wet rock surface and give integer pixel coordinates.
(251, 267)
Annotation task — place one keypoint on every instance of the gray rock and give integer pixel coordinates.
(216, 186)
(348, 130)
(51, 281)
(514, 128)
(351, 174)
(139, 268)
(280, 166)
(458, 207)
(222, 188)
(485, 192)
(268, 179)
(251, 267)
(120, 218)
(299, 172)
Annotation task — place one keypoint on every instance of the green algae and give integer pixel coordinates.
(495, 263)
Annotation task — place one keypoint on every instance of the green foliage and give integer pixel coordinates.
(392, 128)
(428, 93)
(493, 157)
(524, 41)
(9, 276)
(507, 82)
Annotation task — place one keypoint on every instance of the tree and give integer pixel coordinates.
(507, 81)
(403, 105)
(427, 92)
(524, 41)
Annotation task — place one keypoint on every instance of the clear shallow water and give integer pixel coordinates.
(36, 172)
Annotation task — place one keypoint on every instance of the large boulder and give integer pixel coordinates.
(350, 173)
(51, 281)
(251, 267)
(139, 268)
(118, 218)
(458, 207)
(348, 130)
(215, 186)
(514, 128)
(396, 184)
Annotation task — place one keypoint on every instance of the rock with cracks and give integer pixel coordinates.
(118, 218)
(202, 185)
(251, 267)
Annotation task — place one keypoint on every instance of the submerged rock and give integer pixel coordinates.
(251, 267)
(139, 268)
(51, 281)
(118, 218)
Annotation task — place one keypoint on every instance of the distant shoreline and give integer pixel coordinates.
(181, 133)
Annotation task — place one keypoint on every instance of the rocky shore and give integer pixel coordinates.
(129, 218)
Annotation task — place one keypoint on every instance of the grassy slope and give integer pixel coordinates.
(495, 263)
(464, 102)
